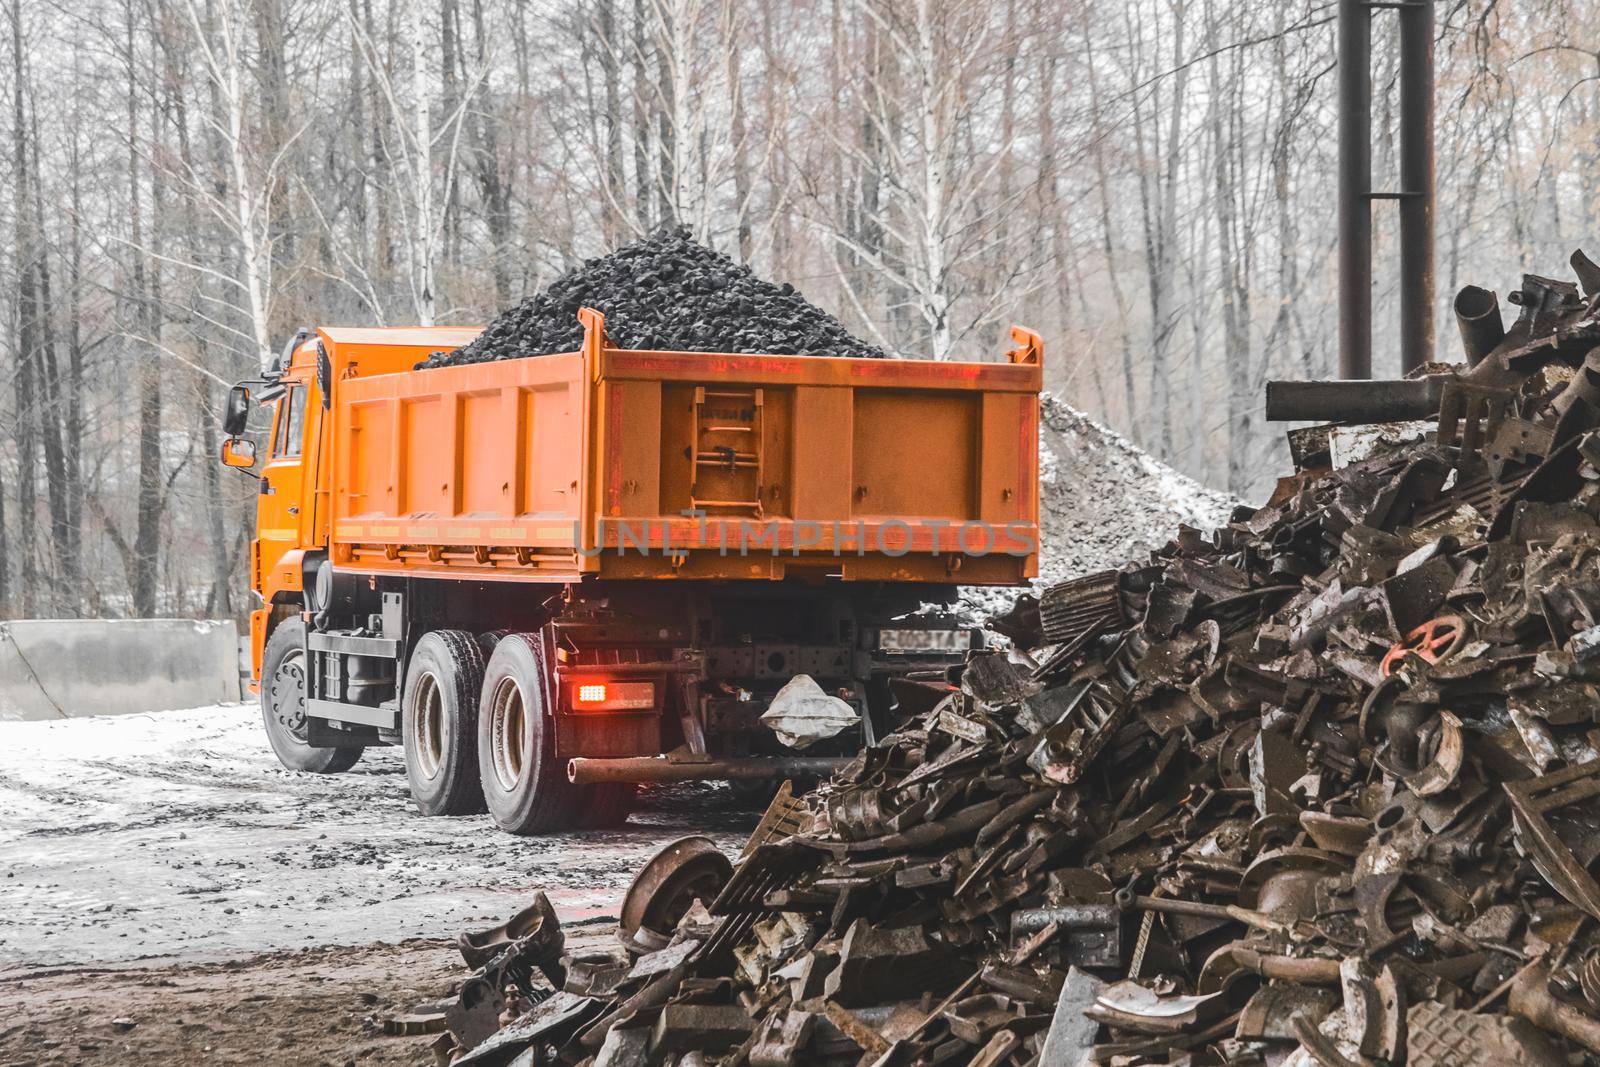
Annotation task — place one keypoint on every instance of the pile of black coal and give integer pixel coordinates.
(670, 293)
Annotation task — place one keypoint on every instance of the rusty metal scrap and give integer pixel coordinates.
(1319, 787)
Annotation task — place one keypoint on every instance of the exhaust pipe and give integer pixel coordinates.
(1478, 317)
(583, 771)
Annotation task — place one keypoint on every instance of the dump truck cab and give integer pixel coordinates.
(289, 452)
(286, 518)
(552, 578)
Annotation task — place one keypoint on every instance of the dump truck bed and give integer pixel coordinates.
(684, 465)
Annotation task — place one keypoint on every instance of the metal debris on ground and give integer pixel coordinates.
(1317, 788)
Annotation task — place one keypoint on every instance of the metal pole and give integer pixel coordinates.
(1416, 183)
(1354, 403)
(1355, 182)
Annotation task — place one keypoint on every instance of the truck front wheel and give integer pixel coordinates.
(526, 790)
(439, 723)
(283, 705)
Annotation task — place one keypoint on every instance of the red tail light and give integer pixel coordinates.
(613, 696)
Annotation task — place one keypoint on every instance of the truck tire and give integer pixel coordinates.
(524, 785)
(487, 641)
(283, 705)
(439, 723)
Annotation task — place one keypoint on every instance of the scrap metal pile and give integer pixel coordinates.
(1316, 788)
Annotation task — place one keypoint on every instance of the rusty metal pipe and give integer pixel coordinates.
(583, 771)
(1306, 970)
(1355, 402)
(1478, 319)
(1196, 909)
(1584, 388)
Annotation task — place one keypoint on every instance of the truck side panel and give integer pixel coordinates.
(634, 464)
(478, 467)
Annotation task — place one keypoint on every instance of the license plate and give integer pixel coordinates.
(924, 640)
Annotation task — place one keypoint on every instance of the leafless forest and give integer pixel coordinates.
(1148, 182)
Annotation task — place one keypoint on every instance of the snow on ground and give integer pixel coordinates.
(1103, 501)
(179, 834)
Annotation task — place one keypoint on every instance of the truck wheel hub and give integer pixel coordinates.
(509, 722)
(425, 708)
(289, 695)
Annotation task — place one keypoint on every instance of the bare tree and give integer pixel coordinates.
(246, 207)
(419, 139)
(930, 184)
(1144, 183)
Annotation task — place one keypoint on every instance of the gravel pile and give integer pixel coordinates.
(1102, 500)
(667, 292)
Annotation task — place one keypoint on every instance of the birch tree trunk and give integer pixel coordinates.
(737, 131)
(666, 113)
(218, 30)
(450, 58)
(642, 111)
(934, 113)
(423, 224)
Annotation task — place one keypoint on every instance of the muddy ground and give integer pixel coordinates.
(166, 869)
(313, 1006)
(305, 1006)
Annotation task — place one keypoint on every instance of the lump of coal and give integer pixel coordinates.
(665, 292)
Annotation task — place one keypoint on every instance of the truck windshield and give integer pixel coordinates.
(291, 417)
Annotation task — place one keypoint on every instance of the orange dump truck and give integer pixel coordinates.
(556, 577)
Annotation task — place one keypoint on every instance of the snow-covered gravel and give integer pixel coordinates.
(1103, 502)
(178, 834)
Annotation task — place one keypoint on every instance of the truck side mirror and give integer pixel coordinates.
(237, 412)
(239, 452)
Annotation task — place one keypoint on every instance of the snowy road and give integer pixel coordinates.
(179, 835)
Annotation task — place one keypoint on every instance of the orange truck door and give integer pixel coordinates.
(278, 509)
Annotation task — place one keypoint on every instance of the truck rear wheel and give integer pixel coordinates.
(523, 784)
(439, 723)
(487, 641)
(283, 705)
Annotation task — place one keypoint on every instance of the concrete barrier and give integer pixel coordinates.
(67, 668)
